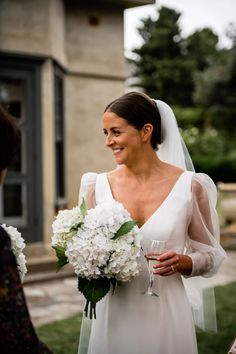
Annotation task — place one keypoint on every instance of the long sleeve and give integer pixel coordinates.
(203, 246)
(203, 230)
(17, 334)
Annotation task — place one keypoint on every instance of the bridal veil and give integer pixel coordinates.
(201, 295)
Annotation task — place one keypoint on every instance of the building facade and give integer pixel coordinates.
(61, 62)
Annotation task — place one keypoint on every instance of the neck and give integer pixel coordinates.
(143, 166)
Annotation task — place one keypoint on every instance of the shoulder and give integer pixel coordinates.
(171, 170)
(202, 180)
(116, 175)
(89, 177)
(203, 186)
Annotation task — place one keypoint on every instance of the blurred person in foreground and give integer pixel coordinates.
(156, 183)
(17, 334)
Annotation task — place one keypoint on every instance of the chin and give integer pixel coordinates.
(119, 161)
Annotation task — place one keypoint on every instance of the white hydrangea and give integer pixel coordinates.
(109, 215)
(93, 253)
(62, 225)
(123, 264)
(18, 244)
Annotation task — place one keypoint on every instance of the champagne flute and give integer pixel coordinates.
(154, 248)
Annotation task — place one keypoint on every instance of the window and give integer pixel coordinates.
(59, 140)
(21, 194)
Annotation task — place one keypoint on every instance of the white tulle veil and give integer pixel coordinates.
(174, 151)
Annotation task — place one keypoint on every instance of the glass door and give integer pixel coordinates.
(20, 196)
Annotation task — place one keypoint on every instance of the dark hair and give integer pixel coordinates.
(9, 138)
(138, 109)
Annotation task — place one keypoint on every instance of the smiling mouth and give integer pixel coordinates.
(116, 151)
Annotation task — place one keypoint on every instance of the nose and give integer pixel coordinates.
(109, 140)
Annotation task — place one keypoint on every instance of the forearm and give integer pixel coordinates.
(202, 263)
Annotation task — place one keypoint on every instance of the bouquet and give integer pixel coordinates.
(102, 244)
(18, 244)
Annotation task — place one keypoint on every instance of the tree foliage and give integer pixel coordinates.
(165, 64)
(215, 90)
(160, 59)
(196, 77)
(201, 48)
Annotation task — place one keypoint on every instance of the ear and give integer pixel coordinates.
(147, 132)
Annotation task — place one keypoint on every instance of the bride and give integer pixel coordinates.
(156, 183)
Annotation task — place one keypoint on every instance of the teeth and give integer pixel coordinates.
(117, 150)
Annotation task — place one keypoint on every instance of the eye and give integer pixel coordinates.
(105, 132)
(116, 132)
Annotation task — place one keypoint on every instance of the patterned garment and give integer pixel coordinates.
(17, 334)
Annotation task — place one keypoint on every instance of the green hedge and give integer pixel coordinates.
(220, 169)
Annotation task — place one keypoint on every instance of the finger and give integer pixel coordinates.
(166, 255)
(161, 271)
(168, 262)
(169, 270)
(152, 254)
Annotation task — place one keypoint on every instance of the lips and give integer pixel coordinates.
(116, 150)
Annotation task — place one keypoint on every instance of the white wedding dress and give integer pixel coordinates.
(131, 323)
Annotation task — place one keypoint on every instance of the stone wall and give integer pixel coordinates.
(86, 99)
(33, 27)
(85, 39)
(94, 40)
(227, 213)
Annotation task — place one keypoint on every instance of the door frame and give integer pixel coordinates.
(29, 70)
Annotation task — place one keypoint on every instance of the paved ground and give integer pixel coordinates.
(54, 300)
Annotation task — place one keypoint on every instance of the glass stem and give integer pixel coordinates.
(150, 283)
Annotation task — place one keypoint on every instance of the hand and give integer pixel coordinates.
(171, 262)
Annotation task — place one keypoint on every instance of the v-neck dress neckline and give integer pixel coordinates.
(174, 187)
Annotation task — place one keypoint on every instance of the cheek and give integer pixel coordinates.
(134, 140)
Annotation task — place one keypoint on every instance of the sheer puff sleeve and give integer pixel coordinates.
(87, 189)
(205, 251)
(204, 232)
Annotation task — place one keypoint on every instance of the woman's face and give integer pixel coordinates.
(121, 137)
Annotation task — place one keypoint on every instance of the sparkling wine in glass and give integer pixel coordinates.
(154, 248)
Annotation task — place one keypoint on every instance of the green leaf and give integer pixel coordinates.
(61, 263)
(76, 226)
(113, 282)
(124, 229)
(60, 251)
(62, 259)
(83, 208)
(93, 290)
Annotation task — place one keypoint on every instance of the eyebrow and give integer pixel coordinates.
(113, 128)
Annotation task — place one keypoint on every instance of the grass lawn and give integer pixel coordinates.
(62, 336)
(226, 317)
